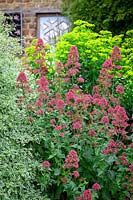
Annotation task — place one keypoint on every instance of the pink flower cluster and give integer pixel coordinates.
(77, 126)
(108, 64)
(101, 102)
(131, 145)
(46, 164)
(39, 45)
(42, 90)
(116, 53)
(42, 71)
(71, 160)
(105, 78)
(64, 179)
(43, 84)
(119, 89)
(39, 102)
(113, 146)
(22, 78)
(72, 71)
(22, 82)
(73, 58)
(92, 133)
(85, 196)
(80, 80)
(60, 104)
(59, 127)
(70, 97)
(120, 117)
(40, 61)
(40, 112)
(75, 174)
(73, 55)
(130, 168)
(105, 120)
(124, 160)
(75, 97)
(96, 186)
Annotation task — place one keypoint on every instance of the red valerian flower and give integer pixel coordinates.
(72, 71)
(116, 53)
(108, 63)
(60, 104)
(77, 126)
(40, 61)
(46, 164)
(22, 77)
(70, 97)
(131, 167)
(85, 196)
(22, 82)
(71, 160)
(30, 119)
(40, 45)
(58, 128)
(131, 145)
(66, 80)
(92, 133)
(64, 179)
(73, 55)
(96, 186)
(80, 80)
(124, 160)
(105, 120)
(61, 134)
(75, 174)
(43, 84)
(119, 89)
(52, 121)
(40, 112)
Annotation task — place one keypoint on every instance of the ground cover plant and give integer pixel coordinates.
(80, 139)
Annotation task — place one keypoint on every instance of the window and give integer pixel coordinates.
(51, 26)
(15, 19)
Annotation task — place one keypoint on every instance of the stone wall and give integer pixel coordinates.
(30, 9)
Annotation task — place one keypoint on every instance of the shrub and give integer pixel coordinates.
(93, 49)
(85, 151)
(108, 15)
(18, 167)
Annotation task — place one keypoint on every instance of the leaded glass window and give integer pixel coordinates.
(50, 27)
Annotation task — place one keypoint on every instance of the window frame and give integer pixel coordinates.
(48, 14)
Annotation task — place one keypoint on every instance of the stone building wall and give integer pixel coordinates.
(30, 10)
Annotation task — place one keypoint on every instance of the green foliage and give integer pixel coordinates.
(115, 16)
(29, 137)
(94, 49)
(67, 118)
(17, 164)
